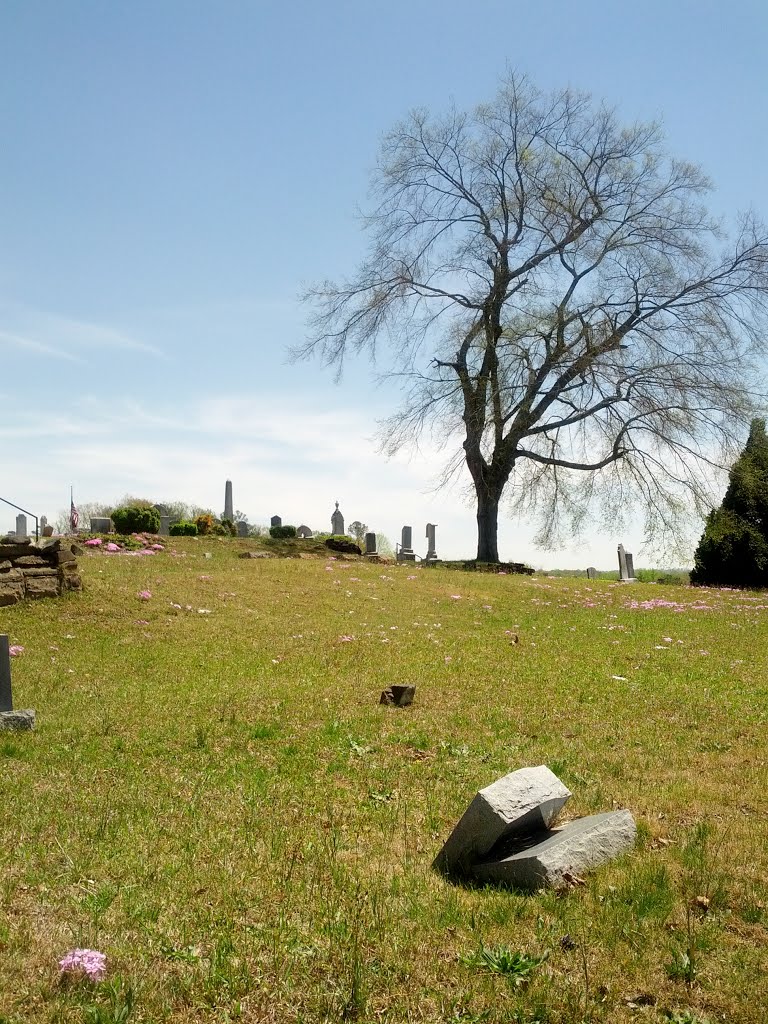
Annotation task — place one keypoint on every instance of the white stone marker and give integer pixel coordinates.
(556, 855)
(523, 801)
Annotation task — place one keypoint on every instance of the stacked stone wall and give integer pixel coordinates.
(29, 571)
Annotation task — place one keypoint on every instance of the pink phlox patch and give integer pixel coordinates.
(88, 962)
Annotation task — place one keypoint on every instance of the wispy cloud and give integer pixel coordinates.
(10, 340)
(65, 337)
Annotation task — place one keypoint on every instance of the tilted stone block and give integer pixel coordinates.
(519, 803)
(551, 858)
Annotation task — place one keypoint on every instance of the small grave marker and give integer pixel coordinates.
(10, 719)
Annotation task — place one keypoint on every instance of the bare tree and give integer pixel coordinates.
(555, 296)
(357, 530)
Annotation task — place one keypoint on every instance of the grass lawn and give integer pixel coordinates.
(214, 798)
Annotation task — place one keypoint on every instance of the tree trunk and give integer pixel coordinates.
(487, 527)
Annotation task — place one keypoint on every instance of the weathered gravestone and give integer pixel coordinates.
(505, 835)
(552, 858)
(275, 521)
(623, 573)
(165, 526)
(101, 524)
(591, 573)
(303, 532)
(630, 565)
(10, 719)
(431, 552)
(370, 544)
(521, 801)
(21, 527)
(337, 522)
(242, 528)
(406, 554)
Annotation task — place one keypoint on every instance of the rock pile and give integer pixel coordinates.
(30, 570)
(505, 835)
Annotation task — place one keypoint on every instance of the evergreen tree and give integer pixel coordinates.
(733, 550)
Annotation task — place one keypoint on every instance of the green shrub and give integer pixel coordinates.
(282, 532)
(227, 528)
(131, 519)
(183, 529)
(733, 550)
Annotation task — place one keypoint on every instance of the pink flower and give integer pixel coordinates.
(455, 597)
(94, 542)
(112, 547)
(15, 650)
(157, 547)
(85, 961)
(145, 595)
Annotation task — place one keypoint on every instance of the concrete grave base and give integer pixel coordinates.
(17, 721)
(548, 858)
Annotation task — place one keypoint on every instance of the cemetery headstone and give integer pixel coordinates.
(623, 574)
(165, 526)
(405, 554)
(370, 544)
(10, 719)
(630, 565)
(242, 528)
(101, 524)
(303, 532)
(591, 573)
(6, 701)
(506, 835)
(431, 552)
(229, 511)
(520, 802)
(21, 527)
(275, 521)
(337, 522)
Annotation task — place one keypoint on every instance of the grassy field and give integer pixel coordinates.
(214, 798)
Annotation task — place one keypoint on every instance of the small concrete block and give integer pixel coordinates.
(17, 721)
(399, 696)
(548, 858)
(518, 803)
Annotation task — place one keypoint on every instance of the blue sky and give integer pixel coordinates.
(174, 173)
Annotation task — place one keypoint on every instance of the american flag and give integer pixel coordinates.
(74, 515)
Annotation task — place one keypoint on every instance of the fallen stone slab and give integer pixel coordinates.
(549, 859)
(520, 803)
(398, 696)
(17, 721)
